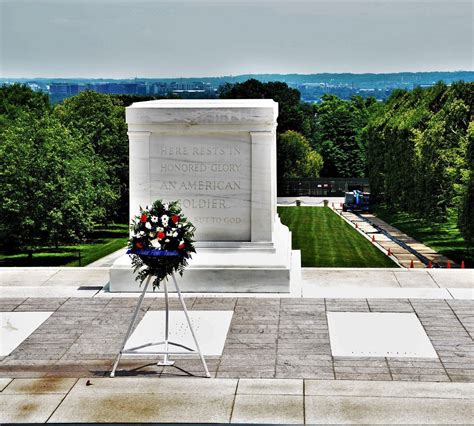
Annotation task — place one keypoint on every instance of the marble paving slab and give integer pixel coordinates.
(211, 328)
(376, 293)
(462, 293)
(361, 334)
(17, 326)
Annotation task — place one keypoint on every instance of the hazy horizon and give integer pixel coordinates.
(196, 39)
(104, 77)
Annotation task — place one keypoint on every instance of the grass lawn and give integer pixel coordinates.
(101, 242)
(326, 240)
(443, 237)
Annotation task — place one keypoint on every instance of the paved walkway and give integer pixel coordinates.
(370, 226)
(268, 338)
(233, 400)
(277, 363)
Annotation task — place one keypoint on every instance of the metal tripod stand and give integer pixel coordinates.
(167, 343)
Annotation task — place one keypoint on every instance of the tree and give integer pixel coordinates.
(52, 184)
(338, 131)
(294, 116)
(296, 158)
(292, 113)
(418, 152)
(18, 97)
(466, 214)
(99, 121)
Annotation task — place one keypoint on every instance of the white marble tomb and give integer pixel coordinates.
(218, 157)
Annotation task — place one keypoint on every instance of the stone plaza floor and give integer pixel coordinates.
(290, 358)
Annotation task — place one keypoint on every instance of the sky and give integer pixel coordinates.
(125, 39)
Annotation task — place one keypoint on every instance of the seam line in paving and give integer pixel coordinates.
(429, 338)
(8, 384)
(60, 402)
(436, 282)
(388, 366)
(97, 292)
(338, 395)
(277, 339)
(17, 306)
(56, 273)
(460, 322)
(233, 402)
(304, 400)
(397, 280)
(451, 294)
(329, 339)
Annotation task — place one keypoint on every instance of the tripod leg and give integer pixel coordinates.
(181, 299)
(130, 327)
(166, 360)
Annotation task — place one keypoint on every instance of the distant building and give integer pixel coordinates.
(64, 89)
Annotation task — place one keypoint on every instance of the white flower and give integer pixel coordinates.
(156, 244)
(179, 225)
(166, 206)
(148, 225)
(159, 229)
(175, 234)
(142, 233)
(152, 235)
(167, 241)
(164, 220)
(154, 219)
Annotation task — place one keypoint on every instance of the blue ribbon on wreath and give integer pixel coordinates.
(156, 252)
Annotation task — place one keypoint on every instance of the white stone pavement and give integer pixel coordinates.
(316, 283)
(284, 401)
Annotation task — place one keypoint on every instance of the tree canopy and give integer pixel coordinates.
(52, 184)
(99, 121)
(338, 131)
(296, 157)
(294, 116)
(419, 152)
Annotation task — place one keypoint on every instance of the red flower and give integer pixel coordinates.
(181, 246)
(139, 245)
(161, 235)
(175, 218)
(143, 218)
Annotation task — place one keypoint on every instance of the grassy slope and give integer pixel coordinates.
(102, 242)
(444, 237)
(325, 240)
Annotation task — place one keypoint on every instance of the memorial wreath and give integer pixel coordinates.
(161, 241)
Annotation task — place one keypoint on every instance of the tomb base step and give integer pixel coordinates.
(230, 270)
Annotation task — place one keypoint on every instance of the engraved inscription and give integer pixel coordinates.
(211, 178)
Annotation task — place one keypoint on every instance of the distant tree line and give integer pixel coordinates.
(312, 140)
(420, 153)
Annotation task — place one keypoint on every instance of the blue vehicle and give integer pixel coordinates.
(356, 201)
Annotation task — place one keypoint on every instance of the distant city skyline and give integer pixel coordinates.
(193, 38)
